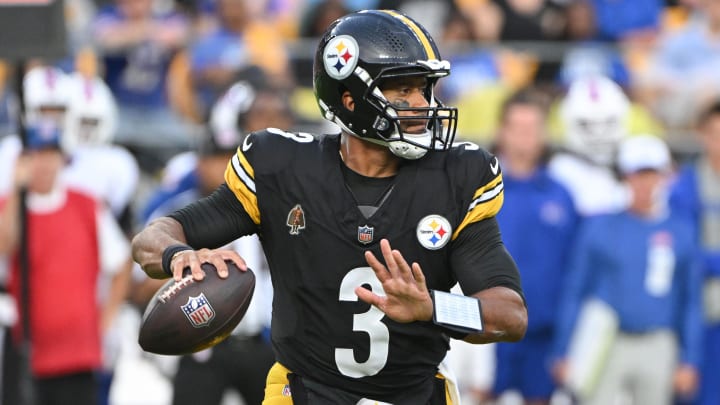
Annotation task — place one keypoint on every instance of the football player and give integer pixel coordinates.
(388, 213)
(244, 107)
(594, 111)
(107, 171)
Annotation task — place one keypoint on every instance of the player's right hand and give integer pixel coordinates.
(193, 259)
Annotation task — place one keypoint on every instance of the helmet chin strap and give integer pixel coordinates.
(406, 151)
(409, 151)
(398, 147)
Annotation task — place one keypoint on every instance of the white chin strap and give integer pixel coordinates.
(409, 151)
(405, 150)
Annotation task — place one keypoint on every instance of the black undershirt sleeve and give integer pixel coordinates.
(480, 261)
(215, 220)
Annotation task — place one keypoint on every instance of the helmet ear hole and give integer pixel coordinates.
(348, 101)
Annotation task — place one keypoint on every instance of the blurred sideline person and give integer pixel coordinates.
(46, 90)
(696, 193)
(103, 169)
(642, 265)
(45, 103)
(54, 99)
(474, 368)
(594, 111)
(177, 175)
(329, 211)
(204, 377)
(538, 223)
(73, 242)
(85, 109)
(108, 172)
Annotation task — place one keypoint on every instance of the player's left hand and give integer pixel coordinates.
(407, 298)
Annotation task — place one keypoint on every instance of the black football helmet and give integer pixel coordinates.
(361, 50)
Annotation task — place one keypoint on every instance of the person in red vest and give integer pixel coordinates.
(73, 242)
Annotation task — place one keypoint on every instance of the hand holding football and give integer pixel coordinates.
(188, 316)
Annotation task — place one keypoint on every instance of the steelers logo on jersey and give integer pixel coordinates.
(341, 56)
(434, 232)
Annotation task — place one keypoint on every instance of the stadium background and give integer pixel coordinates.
(496, 47)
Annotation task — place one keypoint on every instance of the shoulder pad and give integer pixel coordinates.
(272, 148)
(474, 162)
(261, 152)
(479, 178)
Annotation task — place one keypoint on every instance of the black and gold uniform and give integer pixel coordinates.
(316, 218)
(438, 211)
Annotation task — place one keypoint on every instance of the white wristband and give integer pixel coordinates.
(457, 312)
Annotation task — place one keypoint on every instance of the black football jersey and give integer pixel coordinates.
(314, 236)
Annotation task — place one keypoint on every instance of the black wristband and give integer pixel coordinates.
(168, 254)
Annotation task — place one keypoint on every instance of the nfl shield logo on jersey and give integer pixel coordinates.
(365, 234)
(434, 232)
(198, 311)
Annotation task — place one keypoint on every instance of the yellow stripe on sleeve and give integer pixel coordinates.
(240, 178)
(418, 32)
(486, 203)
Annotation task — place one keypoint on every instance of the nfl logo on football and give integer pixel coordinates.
(198, 311)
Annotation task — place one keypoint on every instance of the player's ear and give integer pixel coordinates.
(348, 101)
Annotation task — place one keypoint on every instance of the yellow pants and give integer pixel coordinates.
(277, 387)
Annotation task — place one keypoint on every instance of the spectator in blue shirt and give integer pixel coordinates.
(624, 19)
(642, 263)
(683, 74)
(138, 46)
(538, 222)
(239, 41)
(696, 193)
(587, 56)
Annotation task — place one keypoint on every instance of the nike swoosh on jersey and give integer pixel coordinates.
(246, 144)
(495, 166)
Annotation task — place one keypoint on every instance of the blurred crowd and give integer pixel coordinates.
(165, 61)
(604, 114)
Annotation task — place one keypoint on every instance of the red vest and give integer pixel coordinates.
(64, 266)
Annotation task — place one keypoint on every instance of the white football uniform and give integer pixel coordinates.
(594, 188)
(108, 172)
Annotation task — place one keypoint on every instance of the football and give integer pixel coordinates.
(188, 316)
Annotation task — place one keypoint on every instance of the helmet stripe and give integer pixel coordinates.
(429, 51)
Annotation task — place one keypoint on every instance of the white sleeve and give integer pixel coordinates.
(114, 246)
(10, 147)
(126, 183)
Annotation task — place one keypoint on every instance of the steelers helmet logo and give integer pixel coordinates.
(434, 232)
(340, 56)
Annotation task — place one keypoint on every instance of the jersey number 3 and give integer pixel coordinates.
(369, 322)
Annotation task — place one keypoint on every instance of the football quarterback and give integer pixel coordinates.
(365, 231)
